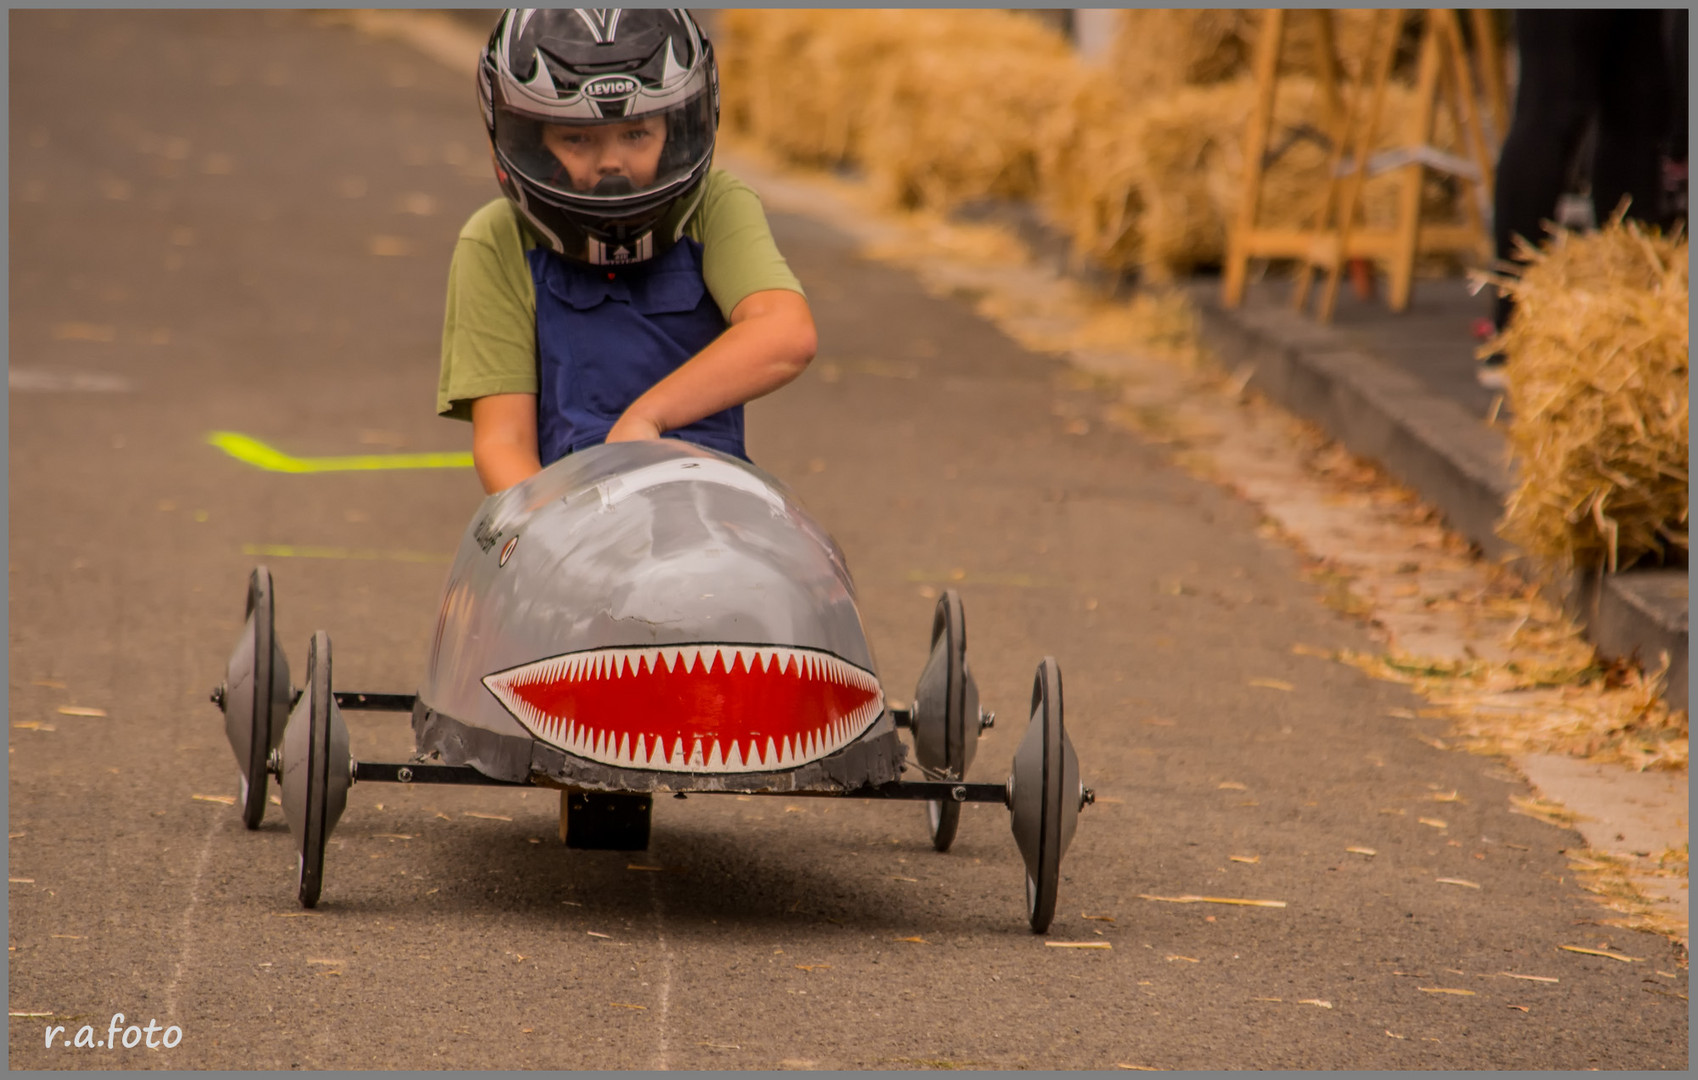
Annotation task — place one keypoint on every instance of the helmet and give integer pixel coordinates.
(603, 123)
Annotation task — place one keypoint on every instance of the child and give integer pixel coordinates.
(622, 289)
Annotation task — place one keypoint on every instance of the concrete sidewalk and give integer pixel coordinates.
(1399, 389)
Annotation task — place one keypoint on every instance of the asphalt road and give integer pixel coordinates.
(241, 222)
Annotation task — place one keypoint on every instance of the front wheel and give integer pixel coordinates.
(1045, 796)
(317, 770)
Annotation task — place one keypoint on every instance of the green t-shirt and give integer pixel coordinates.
(489, 330)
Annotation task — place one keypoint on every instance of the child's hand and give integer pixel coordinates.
(631, 428)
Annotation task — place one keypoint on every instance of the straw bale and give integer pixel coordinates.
(1158, 50)
(960, 113)
(794, 80)
(942, 106)
(1352, 33)
(1154, 183)
(1598, 380)
(937, 106)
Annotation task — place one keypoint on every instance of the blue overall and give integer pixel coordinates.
(605, 335)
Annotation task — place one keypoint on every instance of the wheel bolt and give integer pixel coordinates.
(218, 695)
(1086, 797)
(987, 719)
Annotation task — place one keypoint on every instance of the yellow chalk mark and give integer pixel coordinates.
(251, 451)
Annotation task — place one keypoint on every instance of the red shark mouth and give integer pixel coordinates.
(696, 708)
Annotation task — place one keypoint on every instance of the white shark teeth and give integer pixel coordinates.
(726, 753)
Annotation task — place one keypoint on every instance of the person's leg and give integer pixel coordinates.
(1633, 104)
(1556, 95)
(1675, 31)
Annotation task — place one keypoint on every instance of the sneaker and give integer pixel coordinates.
(1491, 372)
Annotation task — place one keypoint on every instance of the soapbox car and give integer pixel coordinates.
(642, 618)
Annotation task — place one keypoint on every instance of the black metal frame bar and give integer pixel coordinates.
(353, 699)
(394, 772)
(918, 790)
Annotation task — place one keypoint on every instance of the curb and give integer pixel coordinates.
(1443, 452)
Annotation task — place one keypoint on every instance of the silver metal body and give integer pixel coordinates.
(591, 607)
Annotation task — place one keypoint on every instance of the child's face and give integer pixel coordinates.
(591, 154)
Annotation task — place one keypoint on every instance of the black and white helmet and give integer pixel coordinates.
(603, 125)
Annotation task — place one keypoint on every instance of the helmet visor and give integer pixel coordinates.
(607, 163)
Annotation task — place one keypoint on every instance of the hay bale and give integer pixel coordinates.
(943, 106)
(959, 112)
(937, 106)
(1352, 34)
(1154, 184)
(1148, 185)
(794, 81)
(1597, 367)
(1157, 51)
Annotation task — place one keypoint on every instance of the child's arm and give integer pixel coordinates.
(769, 342)
(504, 440)
(489, 368)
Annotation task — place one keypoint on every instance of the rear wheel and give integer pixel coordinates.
(255, 697)
(940, 714)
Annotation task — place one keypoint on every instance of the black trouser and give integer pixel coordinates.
(1576, 65)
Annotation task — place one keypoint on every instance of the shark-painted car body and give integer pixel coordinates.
(642, 618)
(654, 616)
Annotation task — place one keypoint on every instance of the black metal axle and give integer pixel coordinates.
(410, 773)
(354, 700)
(919, 790)
(392, 772)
